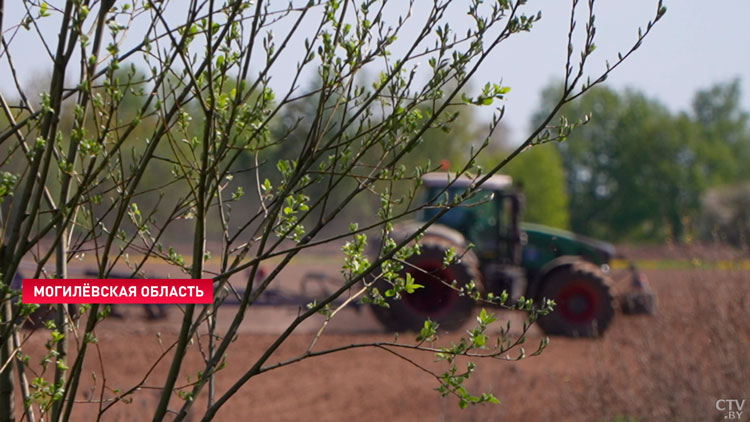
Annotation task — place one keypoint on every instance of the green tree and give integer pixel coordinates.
(637, 170)
(724, 128)
(540, 175)
(655, 184)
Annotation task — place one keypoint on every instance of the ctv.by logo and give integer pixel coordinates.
(731, 407)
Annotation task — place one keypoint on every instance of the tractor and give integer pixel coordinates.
(518, 258)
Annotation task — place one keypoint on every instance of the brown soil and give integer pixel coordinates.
(686, 252)
(671, 366)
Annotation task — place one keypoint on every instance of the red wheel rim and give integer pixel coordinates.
(578, 301)
(435, 298)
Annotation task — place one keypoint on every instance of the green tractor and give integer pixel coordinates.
(521, 259)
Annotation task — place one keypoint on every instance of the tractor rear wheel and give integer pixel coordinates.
(437, 300)
(584, 301)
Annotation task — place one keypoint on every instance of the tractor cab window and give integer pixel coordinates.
(476, 218)
(488, 220)
(483, 230)
(509, 241)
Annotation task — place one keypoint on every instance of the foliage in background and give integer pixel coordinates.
(637, 171)
(538, 172)
(725, 216)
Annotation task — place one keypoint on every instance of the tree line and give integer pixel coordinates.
(635, 171)
(638, 171)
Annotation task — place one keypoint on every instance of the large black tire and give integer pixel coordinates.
(436, 300)
(585, 303)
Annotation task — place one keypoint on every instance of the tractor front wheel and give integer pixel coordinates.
(584, 301)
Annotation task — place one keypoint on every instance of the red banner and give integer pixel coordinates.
(111, 291)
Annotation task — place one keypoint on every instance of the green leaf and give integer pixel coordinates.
(428, 331)
(409, 285)
(486, 318)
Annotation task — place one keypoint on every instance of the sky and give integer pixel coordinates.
(695, 45)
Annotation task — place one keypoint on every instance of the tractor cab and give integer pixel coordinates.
(489, 219)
